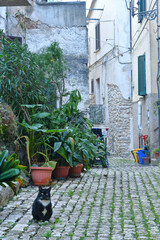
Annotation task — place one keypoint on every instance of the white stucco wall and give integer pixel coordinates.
(114, 27)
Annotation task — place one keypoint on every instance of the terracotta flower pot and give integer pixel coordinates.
(76, 171)
(61, 172)
(146, 160)
(156, 154)
(41, 176)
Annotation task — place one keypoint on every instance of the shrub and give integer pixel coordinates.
(29, 78)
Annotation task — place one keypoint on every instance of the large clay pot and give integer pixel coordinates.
(41, 176)
(76, 171)
(61, 172)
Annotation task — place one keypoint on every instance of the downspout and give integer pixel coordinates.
(158, 76)
(158, 58)
(130, 29)
(129, 8)
(131, 47)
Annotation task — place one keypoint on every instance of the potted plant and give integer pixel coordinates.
(75, 170)
(85, 149)
(146, 160)
(155, 153)
(40, 173)
(62, 146)
(36, 138)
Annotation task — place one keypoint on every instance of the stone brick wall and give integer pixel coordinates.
(120, 113)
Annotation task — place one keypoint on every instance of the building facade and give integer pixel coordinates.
(144, 73)
(110, 72)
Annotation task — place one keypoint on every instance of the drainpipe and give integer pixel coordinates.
(130, 25)
(130, 6)
(158, 73)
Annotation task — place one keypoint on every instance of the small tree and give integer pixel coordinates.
(52, 63)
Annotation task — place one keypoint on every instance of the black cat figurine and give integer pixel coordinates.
(42, 206)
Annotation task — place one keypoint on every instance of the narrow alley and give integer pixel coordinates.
(121, 202)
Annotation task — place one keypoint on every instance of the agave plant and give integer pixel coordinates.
(10, 170)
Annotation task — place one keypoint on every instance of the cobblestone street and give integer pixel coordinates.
(122, 202)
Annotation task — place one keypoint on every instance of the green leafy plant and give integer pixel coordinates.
(64, 134)
(85, 145)
(48, 234)
(52, 63)
(29, 78)
(62, 146)
(37, 136)
(10, 170)
(78, 128)
(20, 76)
(70, 193)
(155, 150)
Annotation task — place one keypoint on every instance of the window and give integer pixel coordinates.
(98, 95)
(141, 8)
(141, 76)
(97, 36)
(92, 86)
(12, 38)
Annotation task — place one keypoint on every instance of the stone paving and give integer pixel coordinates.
(122, 202)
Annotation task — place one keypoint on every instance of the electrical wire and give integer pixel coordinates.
(108, 60)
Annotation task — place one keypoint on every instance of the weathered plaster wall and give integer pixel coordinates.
(3, 18)
(40, 25)
(120, 113)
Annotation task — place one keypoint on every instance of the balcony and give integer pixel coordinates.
(96, 114)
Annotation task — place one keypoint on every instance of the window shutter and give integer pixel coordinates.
(141, 76)
(141, 8)
(97, 36)
(92, 86)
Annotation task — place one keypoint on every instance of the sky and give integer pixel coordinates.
(88, 3)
